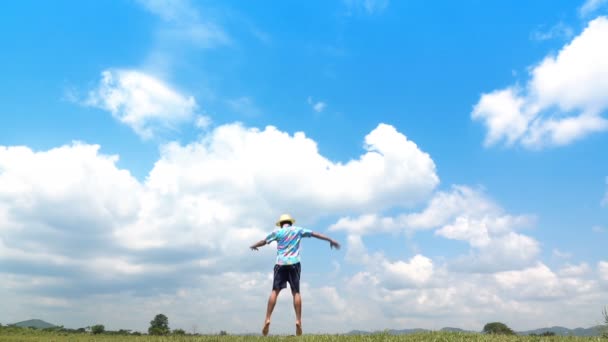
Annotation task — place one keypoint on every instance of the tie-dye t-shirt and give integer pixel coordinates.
(288, 243)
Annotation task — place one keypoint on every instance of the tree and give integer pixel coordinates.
(98, 329)
(159, 325)
(180, 332)
(223, 333)
(605, 328)
(497, 328)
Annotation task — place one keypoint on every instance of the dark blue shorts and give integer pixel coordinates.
(284, 274)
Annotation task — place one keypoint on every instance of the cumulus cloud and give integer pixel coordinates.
(575, 270)
(71, 217)
(462, 214)
(414, 272)
(81, 236)
(603, 270)
(540, 282)
(562, 102)
(470, 299)
(141, 101)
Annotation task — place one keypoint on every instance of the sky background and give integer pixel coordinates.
(456, 149)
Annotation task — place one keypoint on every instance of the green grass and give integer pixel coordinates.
(430, 337)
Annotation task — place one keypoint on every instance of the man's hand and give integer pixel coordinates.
(260, 243)
(334, 244)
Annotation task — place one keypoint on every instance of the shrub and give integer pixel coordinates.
(98, 329)
(497, 328)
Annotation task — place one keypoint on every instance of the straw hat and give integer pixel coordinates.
(285, 218)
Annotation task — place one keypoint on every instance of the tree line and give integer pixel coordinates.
(158, 326)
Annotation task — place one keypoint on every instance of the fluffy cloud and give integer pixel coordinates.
(469, 299)
(575, 270)
(463, 214)
(415, 272)
(562, 102)
(141, 101)
(442, 208)
(84, 240)
(75, 226)
(603, 270)
(539, 282)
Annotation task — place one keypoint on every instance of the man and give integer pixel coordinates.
(287, 267)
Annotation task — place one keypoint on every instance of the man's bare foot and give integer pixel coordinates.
(266, 328)
(298, 328)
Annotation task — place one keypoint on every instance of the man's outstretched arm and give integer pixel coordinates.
(255, 246)
(332, 243)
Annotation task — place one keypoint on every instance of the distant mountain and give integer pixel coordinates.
(561, 331)
(458, 330)
(34, 323)
(390, 332)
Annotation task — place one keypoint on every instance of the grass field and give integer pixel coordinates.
(434, 337)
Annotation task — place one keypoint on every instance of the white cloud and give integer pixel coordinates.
(560, 254)
(463, 214)
(442, 209)
(82, 237)
(202, 121)
(559, 30)
(244, 106)
(562, 102)
(575, 270)
(141, 101)
(415, 272)
(367, 6)
(184, 23)
(317, 106)
(70, 213)
(526, 298)
(602, 267)
(591, 6)
(536, 282)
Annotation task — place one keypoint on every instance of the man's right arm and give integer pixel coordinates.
(332, 243)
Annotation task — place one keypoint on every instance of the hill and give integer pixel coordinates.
(562, 331)
(34, 323)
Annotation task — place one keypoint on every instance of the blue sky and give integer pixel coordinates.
(456, 149)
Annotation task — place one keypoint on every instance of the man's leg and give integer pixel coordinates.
(272, 300)
(297, 306)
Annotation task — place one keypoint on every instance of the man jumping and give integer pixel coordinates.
(287, 268)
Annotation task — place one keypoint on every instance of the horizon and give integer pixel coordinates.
(457, 151)
(341, 333)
